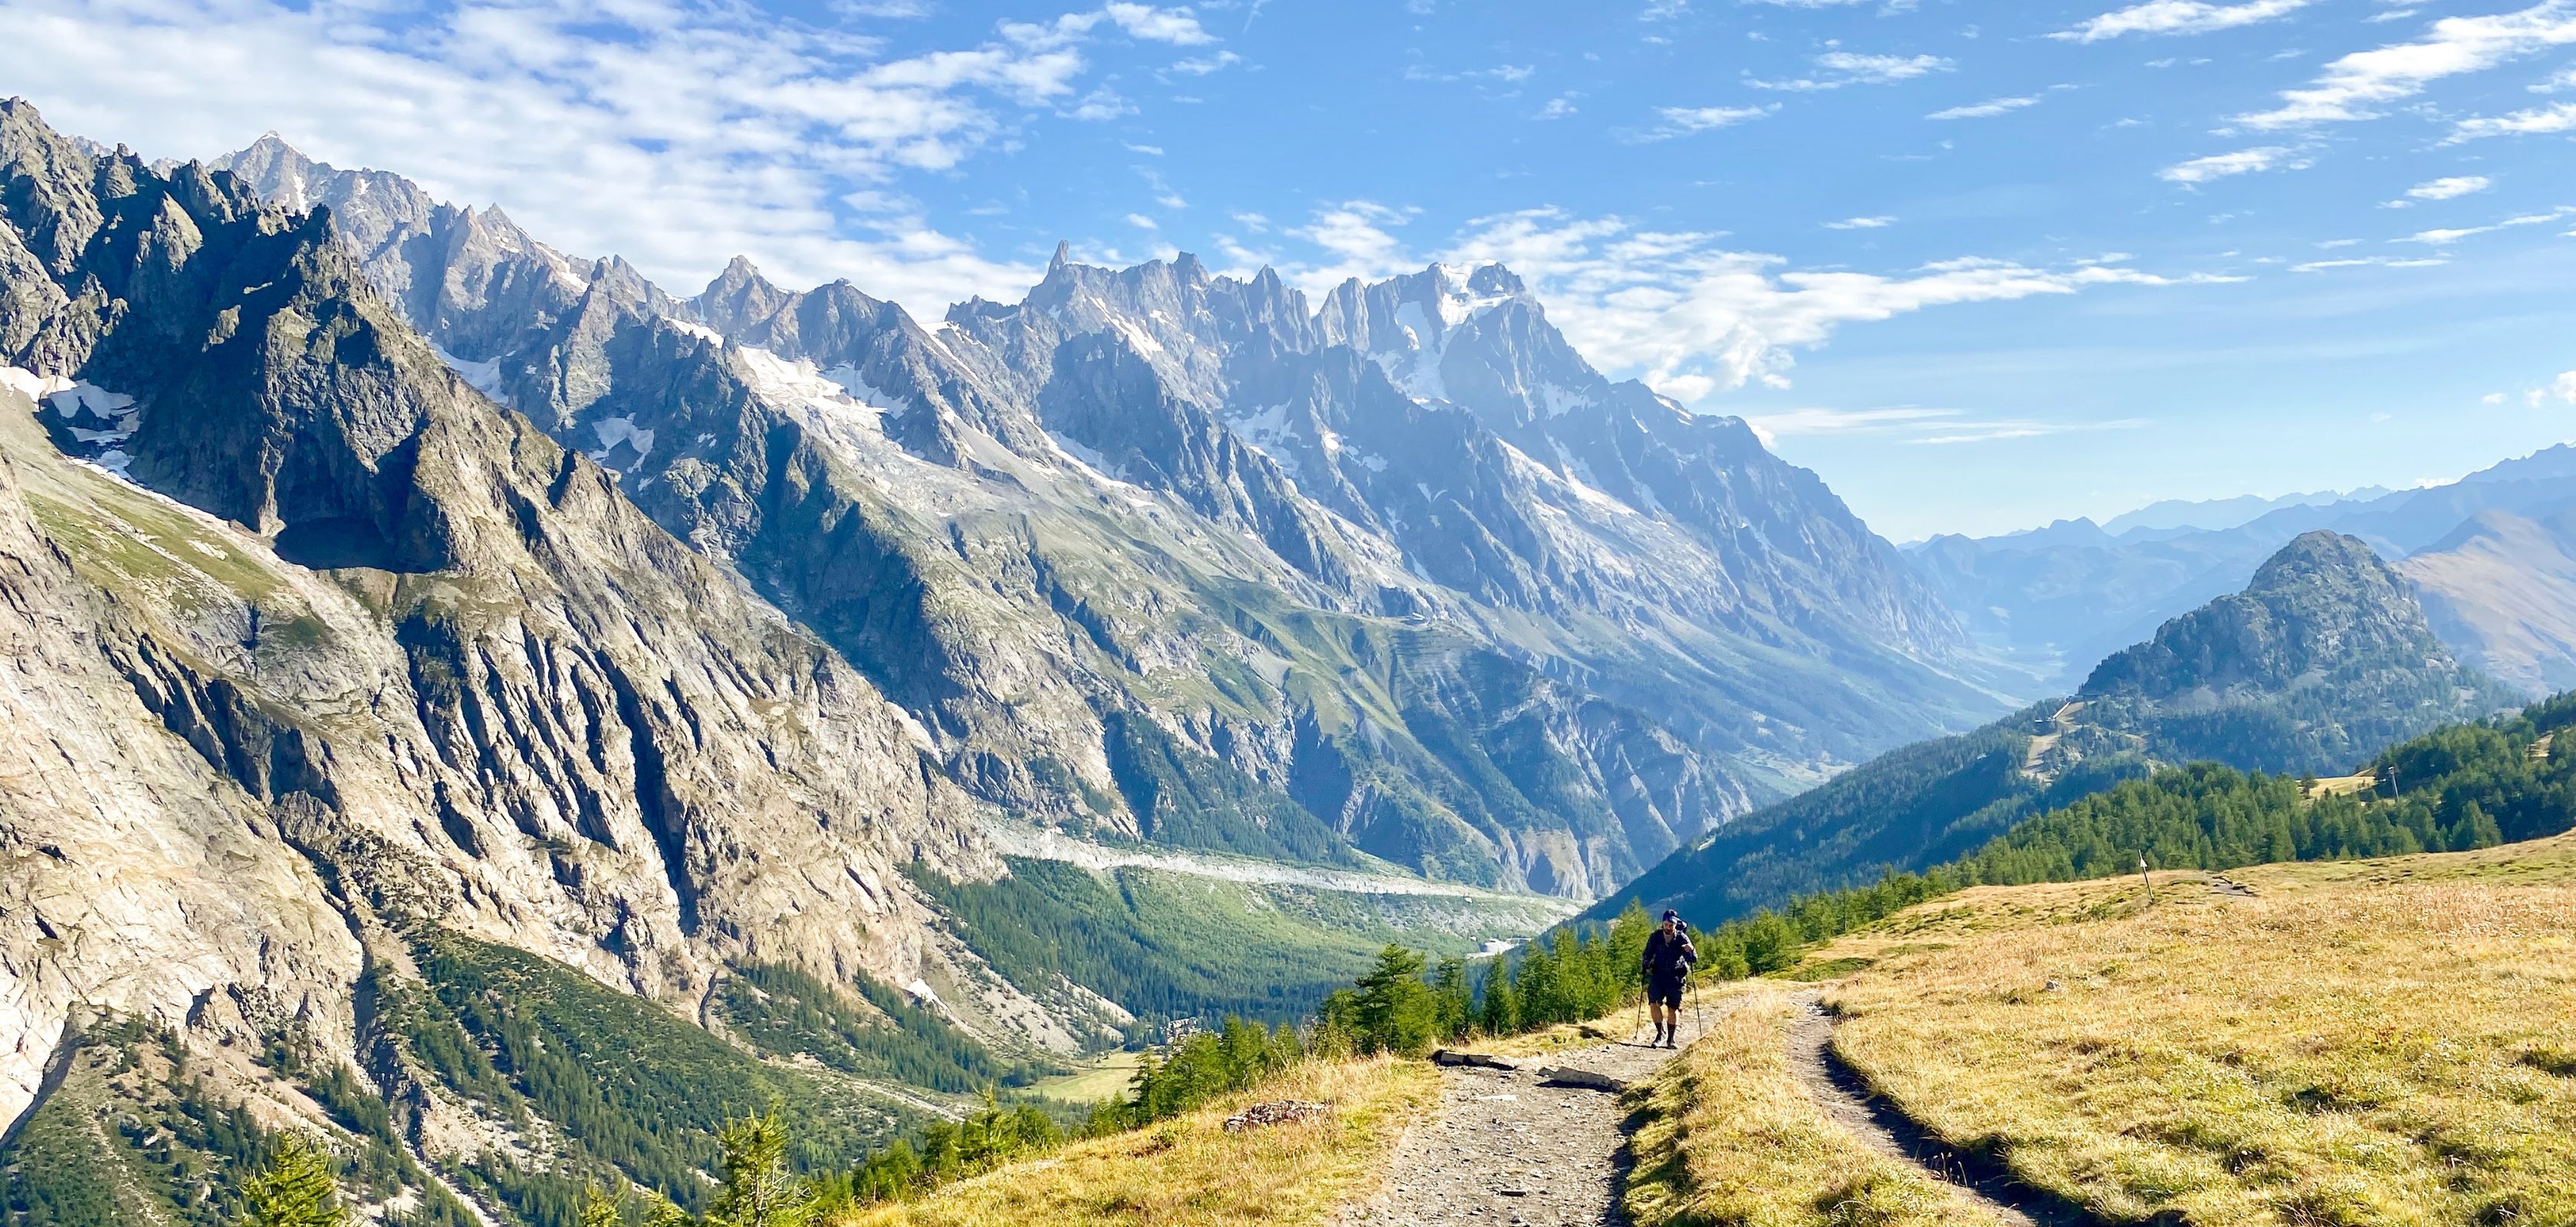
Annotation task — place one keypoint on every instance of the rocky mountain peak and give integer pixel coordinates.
(2324, 600)
(739, 297)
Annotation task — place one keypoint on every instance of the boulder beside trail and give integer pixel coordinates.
(1564, 1075)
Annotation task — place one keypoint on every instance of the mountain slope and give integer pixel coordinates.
(2324, 657)
(379, 765)
(1155, 505)
(2061, 598)
(2502, 591)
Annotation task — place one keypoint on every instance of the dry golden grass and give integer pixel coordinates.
(1731, 1137)
(2344, 785)
(2383, 1042)
(1189, 1172)
(1110, 1076)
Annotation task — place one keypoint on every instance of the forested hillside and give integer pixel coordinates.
(2322, 659)
(2458, 788)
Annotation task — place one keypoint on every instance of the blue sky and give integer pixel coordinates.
(1979, 265)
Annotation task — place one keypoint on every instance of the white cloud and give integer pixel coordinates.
(671, 132)
(2564, 387)
(1986, 109)
(2178, 17)
(1861, 223)
(2222, 165)
(1843, 68)
(2321, 266)
(1141, 222)
(1818, 421)
(1917, 425)
(1354, 235)
(2449, 187)
(1202, 65)
(1681, 309)
(2538, 121)
(1689, 121)
(2350, 87)
(1557, 108)
(2444, 238)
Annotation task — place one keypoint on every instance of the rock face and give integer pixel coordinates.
(1404, 562)
(2323, 659)
(417, 634)
(368, 625)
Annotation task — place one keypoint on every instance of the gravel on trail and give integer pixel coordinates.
(1502, 1150)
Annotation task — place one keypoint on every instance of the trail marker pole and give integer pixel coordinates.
(2151, 882)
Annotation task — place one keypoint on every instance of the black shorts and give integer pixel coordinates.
(1664, 991)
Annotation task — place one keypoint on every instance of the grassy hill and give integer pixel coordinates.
(2382, 1041)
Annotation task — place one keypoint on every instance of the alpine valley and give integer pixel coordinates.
(514, 716)
(430, 651)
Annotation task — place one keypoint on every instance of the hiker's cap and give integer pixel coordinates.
(1670, 914)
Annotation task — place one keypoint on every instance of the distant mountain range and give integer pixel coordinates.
(1401, 568)
(452, 654)
(2059, 598)
(2182, 514)
(2324, 658)
(446, 661)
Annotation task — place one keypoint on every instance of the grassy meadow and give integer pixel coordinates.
(1730, 1136)
(2363, 1042)
(1189, 1172)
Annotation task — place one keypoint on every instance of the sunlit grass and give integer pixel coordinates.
(2389, 1042)
(1731, 1137)
(1188, 1172)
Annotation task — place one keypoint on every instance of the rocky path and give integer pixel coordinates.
(1502, 1150)
(1846, 1099)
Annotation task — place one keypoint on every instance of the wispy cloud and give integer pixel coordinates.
(2178, 17)
(1987, 109)
(725, 129)
(1694, 316)
(2352, 87)
(2538, 121)
(1687, 121)
(2241, 162)
(2444, 238)
(2320, 266)
(2450, 187)
(1918, 425)
(1202, 65)
(1861, 223)
(1841, 68)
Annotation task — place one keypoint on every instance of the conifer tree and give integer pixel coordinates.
(756, 1188)
(1498, 1011)
(1449, 994)
(295, 1189)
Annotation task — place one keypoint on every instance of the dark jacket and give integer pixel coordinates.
(1669, 956)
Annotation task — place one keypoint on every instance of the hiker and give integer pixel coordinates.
(1669, 955)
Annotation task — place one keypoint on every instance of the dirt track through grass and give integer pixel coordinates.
(1846, 1098)
(1502, 1149)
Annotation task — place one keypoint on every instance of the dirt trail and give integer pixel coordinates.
(1846, 1098)
(1500, 1149)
